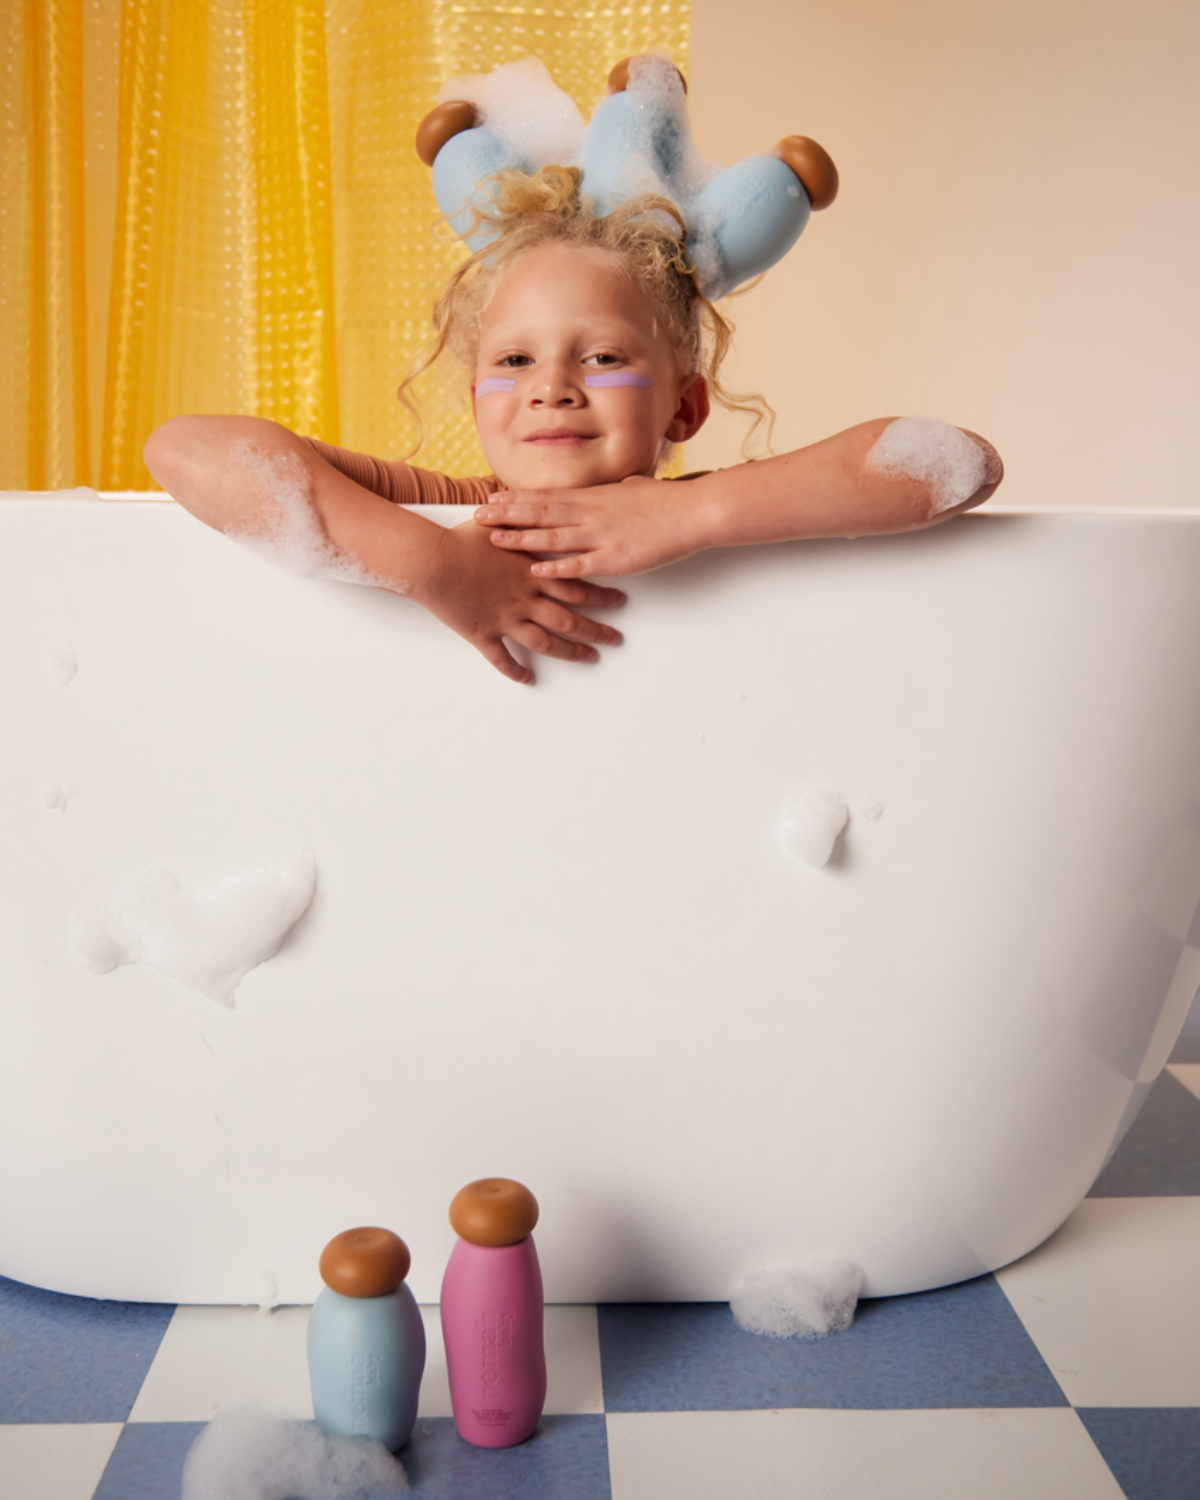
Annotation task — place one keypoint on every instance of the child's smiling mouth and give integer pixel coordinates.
(560, 437)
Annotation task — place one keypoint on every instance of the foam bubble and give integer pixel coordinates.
(932, 452)
(522, 105)
(808, 1298)
(813, 817)
(871, 809)
(57, 795)
(206, 937)
(266, 1289)
(64, 664)
(286, 527)
(243, 1457)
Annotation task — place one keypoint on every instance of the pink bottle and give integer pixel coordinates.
(492, 1315)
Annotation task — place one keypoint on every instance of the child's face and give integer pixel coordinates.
(558, 318)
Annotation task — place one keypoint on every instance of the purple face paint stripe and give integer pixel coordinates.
(494, 383)
(617, 377)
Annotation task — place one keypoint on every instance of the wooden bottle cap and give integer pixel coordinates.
(364, 1262)
(493, 1211)
(440, 124)
(813, 165)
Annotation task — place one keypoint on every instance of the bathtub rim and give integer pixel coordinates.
(1094, 512)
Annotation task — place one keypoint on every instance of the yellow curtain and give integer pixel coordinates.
(214, 205)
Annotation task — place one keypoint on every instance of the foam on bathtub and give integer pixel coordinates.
(871, 809)
(933, 452)
(813, 817)
(808, 1298)
(240, 1456)
(206, 937)
(283, 525)
(64, 664)
(57, 795)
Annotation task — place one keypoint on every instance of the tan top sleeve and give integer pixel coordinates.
(403, 484)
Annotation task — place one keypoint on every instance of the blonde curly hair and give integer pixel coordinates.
(643, 239)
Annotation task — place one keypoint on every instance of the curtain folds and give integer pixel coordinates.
(214, 205)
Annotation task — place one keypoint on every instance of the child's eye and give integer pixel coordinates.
(514, 361)
(603, 360)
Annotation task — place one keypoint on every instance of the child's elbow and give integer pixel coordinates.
(993, 471)
(169, 450)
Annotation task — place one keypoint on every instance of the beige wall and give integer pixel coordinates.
(1015, 246)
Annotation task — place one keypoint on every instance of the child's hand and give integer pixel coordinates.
(615, 529)
(483, 595)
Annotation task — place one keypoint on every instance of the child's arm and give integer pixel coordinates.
(825, 490)
(255, 480)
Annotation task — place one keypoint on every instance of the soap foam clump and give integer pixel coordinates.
(522, 105)
(206, 937)
(813, 817)
(286, 527)
(243, 1457)
(57, 795)
(933, 452)
(64, 664)
(808, 1298)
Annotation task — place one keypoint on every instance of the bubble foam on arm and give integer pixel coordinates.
(269, 489)
(951, 463)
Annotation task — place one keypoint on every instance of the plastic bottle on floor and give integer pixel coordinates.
(492, 1315)
(366, 1341)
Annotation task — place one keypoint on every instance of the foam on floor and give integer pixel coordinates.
(934, 453)
(206, 937)
(813, 817)
(239, 1456)
(809, 1298)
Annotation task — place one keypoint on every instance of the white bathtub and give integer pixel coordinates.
(556, 934)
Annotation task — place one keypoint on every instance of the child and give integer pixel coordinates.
(584, 336)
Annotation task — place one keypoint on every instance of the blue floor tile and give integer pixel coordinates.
(961, 1346)
(1154, 1452)
(566, 1457)
(147, 1463)
(1160, 1156)
(72, 1359)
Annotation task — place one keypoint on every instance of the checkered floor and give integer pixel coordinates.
(1072, 1375)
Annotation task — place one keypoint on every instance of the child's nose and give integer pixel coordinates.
(560, 386)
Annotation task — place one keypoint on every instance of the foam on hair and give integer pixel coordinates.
(643, 240)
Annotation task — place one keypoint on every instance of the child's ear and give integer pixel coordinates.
(692, 411)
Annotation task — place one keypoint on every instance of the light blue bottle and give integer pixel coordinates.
(366, 1340)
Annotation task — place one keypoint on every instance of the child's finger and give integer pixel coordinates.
(562, 621)
(592, 595)
(578, 566)
(556, 539)
(547, 643)
(524, 513)
(505, 662)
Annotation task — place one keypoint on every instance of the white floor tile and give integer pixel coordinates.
(1112, 1302)
(213, 1358)
(1188, 1074)
(856, 1455)
(55, 1462)
(573, 1383)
